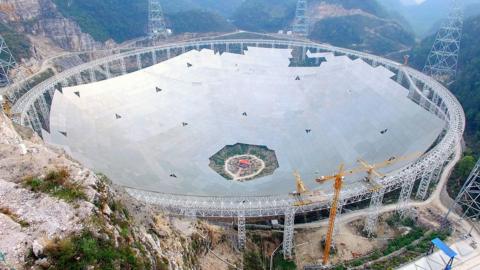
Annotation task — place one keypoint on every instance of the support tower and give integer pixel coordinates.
(300, 25)
(443, 58)
(468, 199)
(156, 21)
(7, 63)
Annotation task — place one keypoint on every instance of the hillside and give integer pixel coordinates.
(117, 19)
(225, 8)
(18, 43)
(360, 25)
(122, 20)
(198, 21)
(467, 89)
(425, 17)
(264, 15)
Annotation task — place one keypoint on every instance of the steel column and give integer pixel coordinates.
(288, 229)
(373, 211)
(242, 234)
(405, 194)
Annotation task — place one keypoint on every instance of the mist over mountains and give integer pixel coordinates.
(424, 18)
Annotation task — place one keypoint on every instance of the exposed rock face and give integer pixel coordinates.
(31, 220)
(40, 17)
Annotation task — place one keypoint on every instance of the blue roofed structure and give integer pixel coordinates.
(443, 247)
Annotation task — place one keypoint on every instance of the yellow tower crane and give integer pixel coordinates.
(372, 169)
(337, 185)
(339, 177)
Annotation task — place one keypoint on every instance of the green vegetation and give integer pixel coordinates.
(98, 245)
(122, 20)
(117, 19)
(362, 33)
(460, 174)
(467, 85)
(253, 260)
(467, 89)
(257, 255)
(264, 15)
(279, 263)
(408, 246)
(81, 251)
(41, 77)
(199, 21)
(18, 44)
(225, 7)
(57, 184)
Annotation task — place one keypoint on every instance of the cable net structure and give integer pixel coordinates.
(30, 111)
(443, 58)
(300, 25)
(156, 21)
(7, 63)
(469, 197)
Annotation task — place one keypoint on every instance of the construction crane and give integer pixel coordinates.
(300, 190)
(339, 177)
(372, 169)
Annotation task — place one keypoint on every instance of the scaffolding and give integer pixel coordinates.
(300, 25)
(156, 21)
(443, 58)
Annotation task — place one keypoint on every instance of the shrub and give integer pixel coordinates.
(57, 184)
(81, 251)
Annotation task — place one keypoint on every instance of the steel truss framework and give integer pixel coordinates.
(443, 58)
(424, 90)
(301, 23)
(242, 233)
(156, 20)
(373, 211)
(468, 199)
(7, 63)
(288, 228)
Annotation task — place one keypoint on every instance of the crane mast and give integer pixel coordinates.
(333, 213)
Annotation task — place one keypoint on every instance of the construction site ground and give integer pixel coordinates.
(352, 244)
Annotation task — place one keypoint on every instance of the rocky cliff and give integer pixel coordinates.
(41, 19)
(56, 214)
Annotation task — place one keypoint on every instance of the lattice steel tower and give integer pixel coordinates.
(300, 25)
(7, 63)
(469, 197)
(443, 58)
(156, 21)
